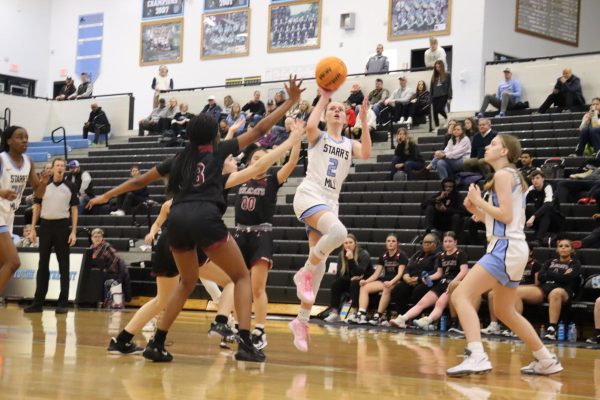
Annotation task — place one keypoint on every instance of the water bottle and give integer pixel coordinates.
(427, 279)
(561, 331)
(131, 243)
(443, 326)
(572, 334)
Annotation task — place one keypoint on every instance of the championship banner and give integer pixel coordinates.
(22, 284)
(161, 8)
(90, 33)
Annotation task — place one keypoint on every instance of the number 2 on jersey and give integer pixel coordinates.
(331, 169)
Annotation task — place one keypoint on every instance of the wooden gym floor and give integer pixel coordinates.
(46, 356)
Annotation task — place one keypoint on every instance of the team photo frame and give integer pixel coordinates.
(409, 19)
(161, 41)
(294, 26)
(225, 34)
(224, 5)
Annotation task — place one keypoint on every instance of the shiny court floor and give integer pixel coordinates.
(46, 356)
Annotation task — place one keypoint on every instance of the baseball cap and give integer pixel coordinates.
(507, 69)
(73, 164)
(212, 97)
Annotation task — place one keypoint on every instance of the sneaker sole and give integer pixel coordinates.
(530, 372)
(295, 345)
(150, 356)
(120, 353)
(466, 373)
(397, 325)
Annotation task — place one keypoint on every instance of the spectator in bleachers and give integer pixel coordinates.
(377, 64)
(356, 131)
(150, 123)
(377, 97)
(407, 157)
(592, 240)
(508, 94)
(96, 123)
(212, 108)
(161, 83)
(421, 102)
(451, 265)
(227, 103)
(254, 109)
(303, 111)
(526, 164)
(479, 142)
(441, 91)
(223, 128)
(528, 291)
(583, 191)
(559, 279)
(67, 90)
(388, 272)
(470, 127)
(236, 115)
(400, 100)
(546, 219)
(352, 263)
(82, 182)
(277, 135)
(127, 202)
(434, 53)
(356, 96)
(589, 130)
(164, 122)
(350, 118)
(85, 88)
(180, 121)
(449, 129)
(444, 210)
(28, 239)
(411, 288)
(451, 159)
(566, 94)
(596, 338)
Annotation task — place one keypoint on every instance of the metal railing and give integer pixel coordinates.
(62, 139)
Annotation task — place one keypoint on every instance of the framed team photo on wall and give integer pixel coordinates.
(161, 41)
(225, 34)
(224, 5)
(409, 19)
(161, 8)
(294, 26)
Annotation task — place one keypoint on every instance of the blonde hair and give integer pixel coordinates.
(512, 144)
(98, 231)
(343, 254)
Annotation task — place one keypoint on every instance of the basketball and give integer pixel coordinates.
(331, 73)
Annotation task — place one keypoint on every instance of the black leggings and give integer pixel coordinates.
(341, 286)
(439, 107)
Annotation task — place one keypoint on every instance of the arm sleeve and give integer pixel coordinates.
(386, 65)
(543, 273)
(261, 108)
(517, 91)
(462, 258)
(573, 86)
(364, 259)
(89, 90)
(245, 108)
(449, 82)
(154, 83)
(164, 168)
(74, 200)
(86, 179)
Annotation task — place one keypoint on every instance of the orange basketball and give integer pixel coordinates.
(331, 73)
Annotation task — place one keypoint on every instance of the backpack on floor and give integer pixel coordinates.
(554, 168)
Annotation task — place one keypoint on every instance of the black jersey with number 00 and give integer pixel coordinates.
(206, 182)
(256, 200)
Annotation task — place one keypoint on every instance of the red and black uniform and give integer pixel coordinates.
(533, 267)
(391, 264)
(450, 263)
(554, 275)
(254, 207)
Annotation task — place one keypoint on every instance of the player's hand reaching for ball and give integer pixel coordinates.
(293, 88)
(298, 130)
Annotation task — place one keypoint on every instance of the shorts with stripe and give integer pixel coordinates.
(255, 246)
(308, 201)
(505, 260)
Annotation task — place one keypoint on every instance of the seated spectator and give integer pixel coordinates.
(67, 90)
(589, 130)
(449, 129)
(212, 108)
(127, 202)
(508, 94)
(304, 110)
(441, 91)
(546, 218)
(164, 121)
(388, 271)
(591, 241)
(566, 94)
(451, 265)
(451, 159)
(526, 165)
(82, 182)
(596, 338)
(400, 101)
(434, 53)
(350, 118)
(411, 288)
(180, 121)
(104, 257)
(279, 99)
(356, 131)
(528, 291)
(352, 263)
(470, 127)
(377, 64)
(559, 279)
(28, 239)
(223, 128)
(479, 142)
(227, 103)
(236, 115)
(84, 90)
(444, 211)
(421, 102)
(407, 157)
(378, 96)
(96, 123)
(277, 135)
(254, 109)
(356, 97)
(583, 191)
(150, 123)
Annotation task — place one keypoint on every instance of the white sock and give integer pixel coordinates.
(542, 354)
(475, 347)
(362, 310)
(260, 326)
(494, 324)
(304, 315)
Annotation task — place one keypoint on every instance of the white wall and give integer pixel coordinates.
(24, 40)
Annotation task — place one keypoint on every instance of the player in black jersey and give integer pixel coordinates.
(451, 265)
(196, 219)
(254, 207)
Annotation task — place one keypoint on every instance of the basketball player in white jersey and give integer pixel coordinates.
(16, 169)
(316, 199)
(501, 268)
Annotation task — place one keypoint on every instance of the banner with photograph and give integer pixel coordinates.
(225, 34)
(161, 8)
(294, 26)
(409, 19)
(225, 5)
(161, 41)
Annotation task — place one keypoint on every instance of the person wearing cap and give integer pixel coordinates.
(82, 182)
(508, 94)
(67, 89)
(378, 63)
(566, 94)
(55, 210)
(255, 108)
(97, 123)
(150, 123)
(434, 53)
(84, 90)
(400, 100)
(161, 83)
(212, 108)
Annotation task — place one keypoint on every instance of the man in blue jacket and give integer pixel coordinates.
(566, 93)
(508, 94)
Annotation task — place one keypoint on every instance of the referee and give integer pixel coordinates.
(59, 198)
